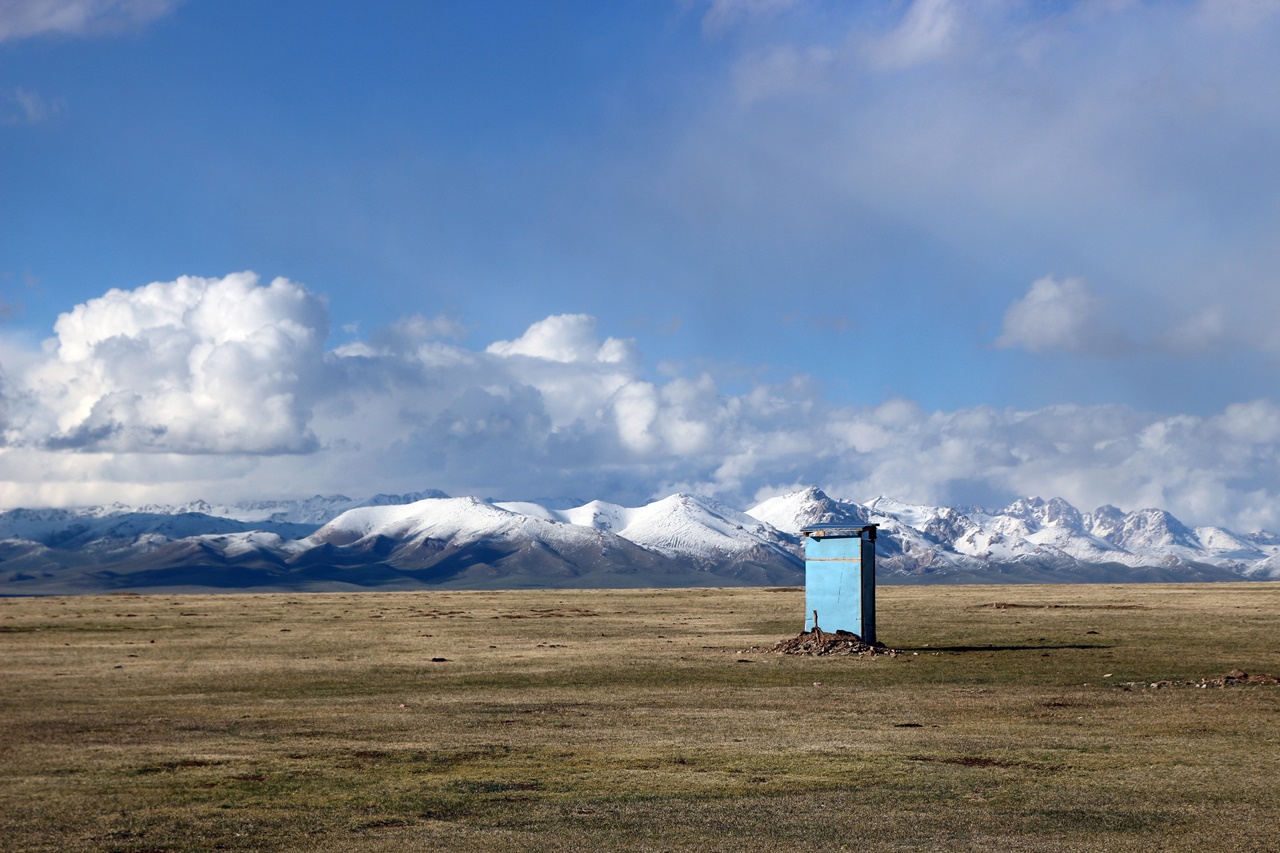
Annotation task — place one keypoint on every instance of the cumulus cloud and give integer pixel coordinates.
(194, 365)
(567, 338)
(1058, 315)
(223, 388)
(26, 18)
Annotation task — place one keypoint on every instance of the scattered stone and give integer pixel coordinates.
(1235, 678)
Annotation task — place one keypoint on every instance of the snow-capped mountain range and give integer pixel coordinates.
(428, 539)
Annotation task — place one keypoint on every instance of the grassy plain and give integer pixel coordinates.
(634, 719)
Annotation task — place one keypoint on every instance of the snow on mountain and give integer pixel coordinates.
(1032, 528)
(1228, 546)
(900, 546)
(536, 510)
(704, 529)
(427, 530)
(1268, 569)
(428, 537)
(1052, 534)
(919, 539)
(1152, 531)
(789, 513)
(681, 526)
(1037, 513)
(458, 521)
(116, 532)
(232, 545)
(65, 528)
(597, 514)
(316, 510)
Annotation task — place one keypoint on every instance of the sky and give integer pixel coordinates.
(949, 252)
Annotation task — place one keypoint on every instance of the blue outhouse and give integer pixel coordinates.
(840, 578)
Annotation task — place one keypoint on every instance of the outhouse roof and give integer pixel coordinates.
(839, 531)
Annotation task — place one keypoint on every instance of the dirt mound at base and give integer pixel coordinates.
(818, 643)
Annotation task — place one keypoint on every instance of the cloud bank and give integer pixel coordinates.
(225, 388)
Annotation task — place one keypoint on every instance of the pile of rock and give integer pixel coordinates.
(1234, 678)
(823, 643)
(1239, 676)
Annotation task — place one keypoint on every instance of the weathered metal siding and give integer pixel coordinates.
(840, 580)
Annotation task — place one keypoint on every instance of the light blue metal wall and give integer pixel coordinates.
(840, 580)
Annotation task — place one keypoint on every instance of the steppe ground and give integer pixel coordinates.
(1014, 718)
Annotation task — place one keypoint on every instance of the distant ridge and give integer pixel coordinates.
(428, 540)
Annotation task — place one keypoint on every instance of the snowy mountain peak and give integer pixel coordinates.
(1038, 513)
(791, 512)
(1148, 529)
(1105, 522)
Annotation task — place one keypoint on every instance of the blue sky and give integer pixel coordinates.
(944, 251)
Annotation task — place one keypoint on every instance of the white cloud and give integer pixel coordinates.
(635, 409)
(25, 18)
(564, 338)
(413, 331)
(25, 107)
(195, 365)
(1206, 331)
(1066, 316)
(782, 70)
(724, 14)
(1058, 315)
(926, 33)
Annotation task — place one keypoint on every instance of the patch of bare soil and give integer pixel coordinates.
(821, 643)
(1236, 677)
(975, 761)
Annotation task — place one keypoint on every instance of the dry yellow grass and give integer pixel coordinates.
(634, 719)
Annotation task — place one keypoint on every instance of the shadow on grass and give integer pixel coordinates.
(1030, 648)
